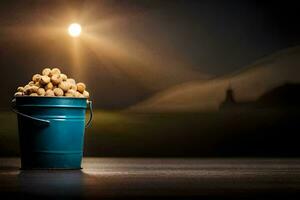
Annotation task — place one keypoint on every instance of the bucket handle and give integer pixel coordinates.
(13, 102)
(90, 103)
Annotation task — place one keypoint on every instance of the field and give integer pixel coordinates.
(255, 133)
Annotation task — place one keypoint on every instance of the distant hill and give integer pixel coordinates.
(286, 95)
(248, 85)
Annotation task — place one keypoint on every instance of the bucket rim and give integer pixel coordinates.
(59, 102)
(56, 97)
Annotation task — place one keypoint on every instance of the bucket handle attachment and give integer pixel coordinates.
(90, 103)
(13, 102)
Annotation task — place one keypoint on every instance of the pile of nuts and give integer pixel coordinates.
(53, 83)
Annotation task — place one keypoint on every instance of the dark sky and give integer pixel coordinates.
(157, 39)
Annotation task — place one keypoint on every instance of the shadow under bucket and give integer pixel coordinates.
(51, 131)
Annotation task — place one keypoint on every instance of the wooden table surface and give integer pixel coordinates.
(139, 178)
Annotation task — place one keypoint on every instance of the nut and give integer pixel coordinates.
(86, 94)
(56, 79)
(37, 84)
(30, 89)
(34, 89)
(41, 92)
(58, 92)
(78, 94)
(73, 92)
(80, 87)
(33, 94)
(27, 89)
(36, 78)
(55, 71)
(72, 81)
(67, 94)
(49, 86)
(64, 85)
(49, 93)
(74, 87)
(64, 77)
(20, 89)
(18, 94)
(46, 72)
(44, 80)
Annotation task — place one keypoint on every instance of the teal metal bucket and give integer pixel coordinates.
(51, 131)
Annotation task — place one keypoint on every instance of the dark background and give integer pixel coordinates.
(142, 49)
(208, 38)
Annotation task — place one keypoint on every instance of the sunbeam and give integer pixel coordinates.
(151, 70)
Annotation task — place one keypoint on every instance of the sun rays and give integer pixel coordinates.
(107, 43)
